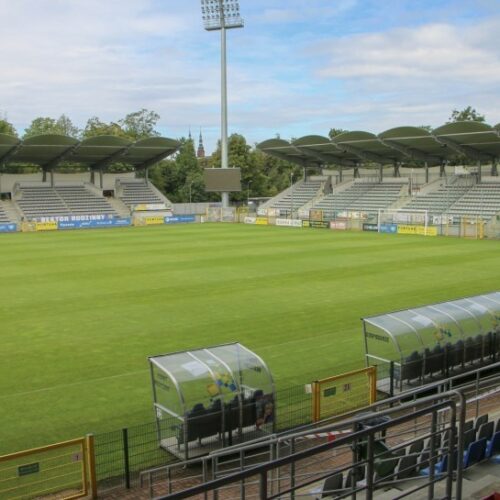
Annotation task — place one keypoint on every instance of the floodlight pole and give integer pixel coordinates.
(216, 17)
(223, 142)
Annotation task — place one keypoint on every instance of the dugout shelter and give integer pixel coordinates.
(413, 346)
(215, 397)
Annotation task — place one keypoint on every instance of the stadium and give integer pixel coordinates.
(338, 338)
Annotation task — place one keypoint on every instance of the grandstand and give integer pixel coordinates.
(362, 196)
(4, 217)
(138, 192)
(37, 202)
(296, 196)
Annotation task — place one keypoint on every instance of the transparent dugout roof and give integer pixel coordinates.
(182, 380)
(395, 335)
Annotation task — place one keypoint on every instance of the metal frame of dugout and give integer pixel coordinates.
(211, 398)
(412, 346)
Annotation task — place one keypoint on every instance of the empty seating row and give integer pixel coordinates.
(138, 192)
(301, 194)
(361, 196)
(4, 218)
(44, 201)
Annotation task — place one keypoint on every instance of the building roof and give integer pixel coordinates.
(50, 151)
(474, 140)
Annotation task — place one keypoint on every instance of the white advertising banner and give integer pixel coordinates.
(289, 222)
(250, 220)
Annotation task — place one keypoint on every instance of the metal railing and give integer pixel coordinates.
(284, 472)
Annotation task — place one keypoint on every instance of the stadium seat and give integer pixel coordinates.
(331, 485)
(407, 466)
(475, 453)
(479, 421)
(416, 447)
(493, 446)
(486, 431)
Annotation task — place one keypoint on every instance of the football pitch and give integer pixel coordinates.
(82, 310)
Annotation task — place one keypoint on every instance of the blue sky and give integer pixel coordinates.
(298, 67)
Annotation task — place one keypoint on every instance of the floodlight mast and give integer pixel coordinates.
(222, 15)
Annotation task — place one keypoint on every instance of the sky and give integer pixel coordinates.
(298, 67)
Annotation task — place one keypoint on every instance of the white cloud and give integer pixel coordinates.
(433, 52)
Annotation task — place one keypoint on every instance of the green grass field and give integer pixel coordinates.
(82, 310)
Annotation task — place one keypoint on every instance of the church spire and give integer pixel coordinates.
(201, 150)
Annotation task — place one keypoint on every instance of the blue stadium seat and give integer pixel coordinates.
(475, 453)
(493, 446)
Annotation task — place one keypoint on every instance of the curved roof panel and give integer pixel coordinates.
(324, 150)
(474, 140)
(49, 151)
(8, 145)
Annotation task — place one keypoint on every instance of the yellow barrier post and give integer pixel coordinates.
(91, 465)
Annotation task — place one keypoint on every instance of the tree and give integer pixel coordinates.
(336, 131)
(7, 128)
(140, 125)
(466, 115)
(95, 127)
(44, 125)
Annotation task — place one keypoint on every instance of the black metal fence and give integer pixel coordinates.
(120, 455)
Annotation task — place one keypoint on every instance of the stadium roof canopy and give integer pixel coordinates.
(474, 140)
(96, 153)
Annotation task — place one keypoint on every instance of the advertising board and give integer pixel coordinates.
(338, 225)
(289, 222)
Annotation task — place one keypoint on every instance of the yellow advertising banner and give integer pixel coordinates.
(420, 230)
(154, 220)
(261, 221)
(46, 226)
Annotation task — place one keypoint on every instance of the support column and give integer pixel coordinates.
(494, 171)
(441, 169)
(396, 169)
(340, 173)
(381, 173)
(51, 178)
(92, 176)
(426, 173)
(356, 172)
(479, 171)
(146, 175)
(44, 175)
(101, 180)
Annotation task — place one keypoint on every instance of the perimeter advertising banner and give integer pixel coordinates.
(153, 220)
(250, 220)
(338, 225)
(370, 227)
(180, 219)
(261, 221)
(389, 228)
(420, 230)
(85, 224)
(46, 226)
(289, 222)
(8, 228)
(319, 224)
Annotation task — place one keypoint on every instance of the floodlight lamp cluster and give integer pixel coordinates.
(221, 13)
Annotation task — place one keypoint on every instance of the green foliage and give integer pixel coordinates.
(336, 131)
(44, 125)
(7, 127)
(140, 124)
(466, 114)
(95, 127)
